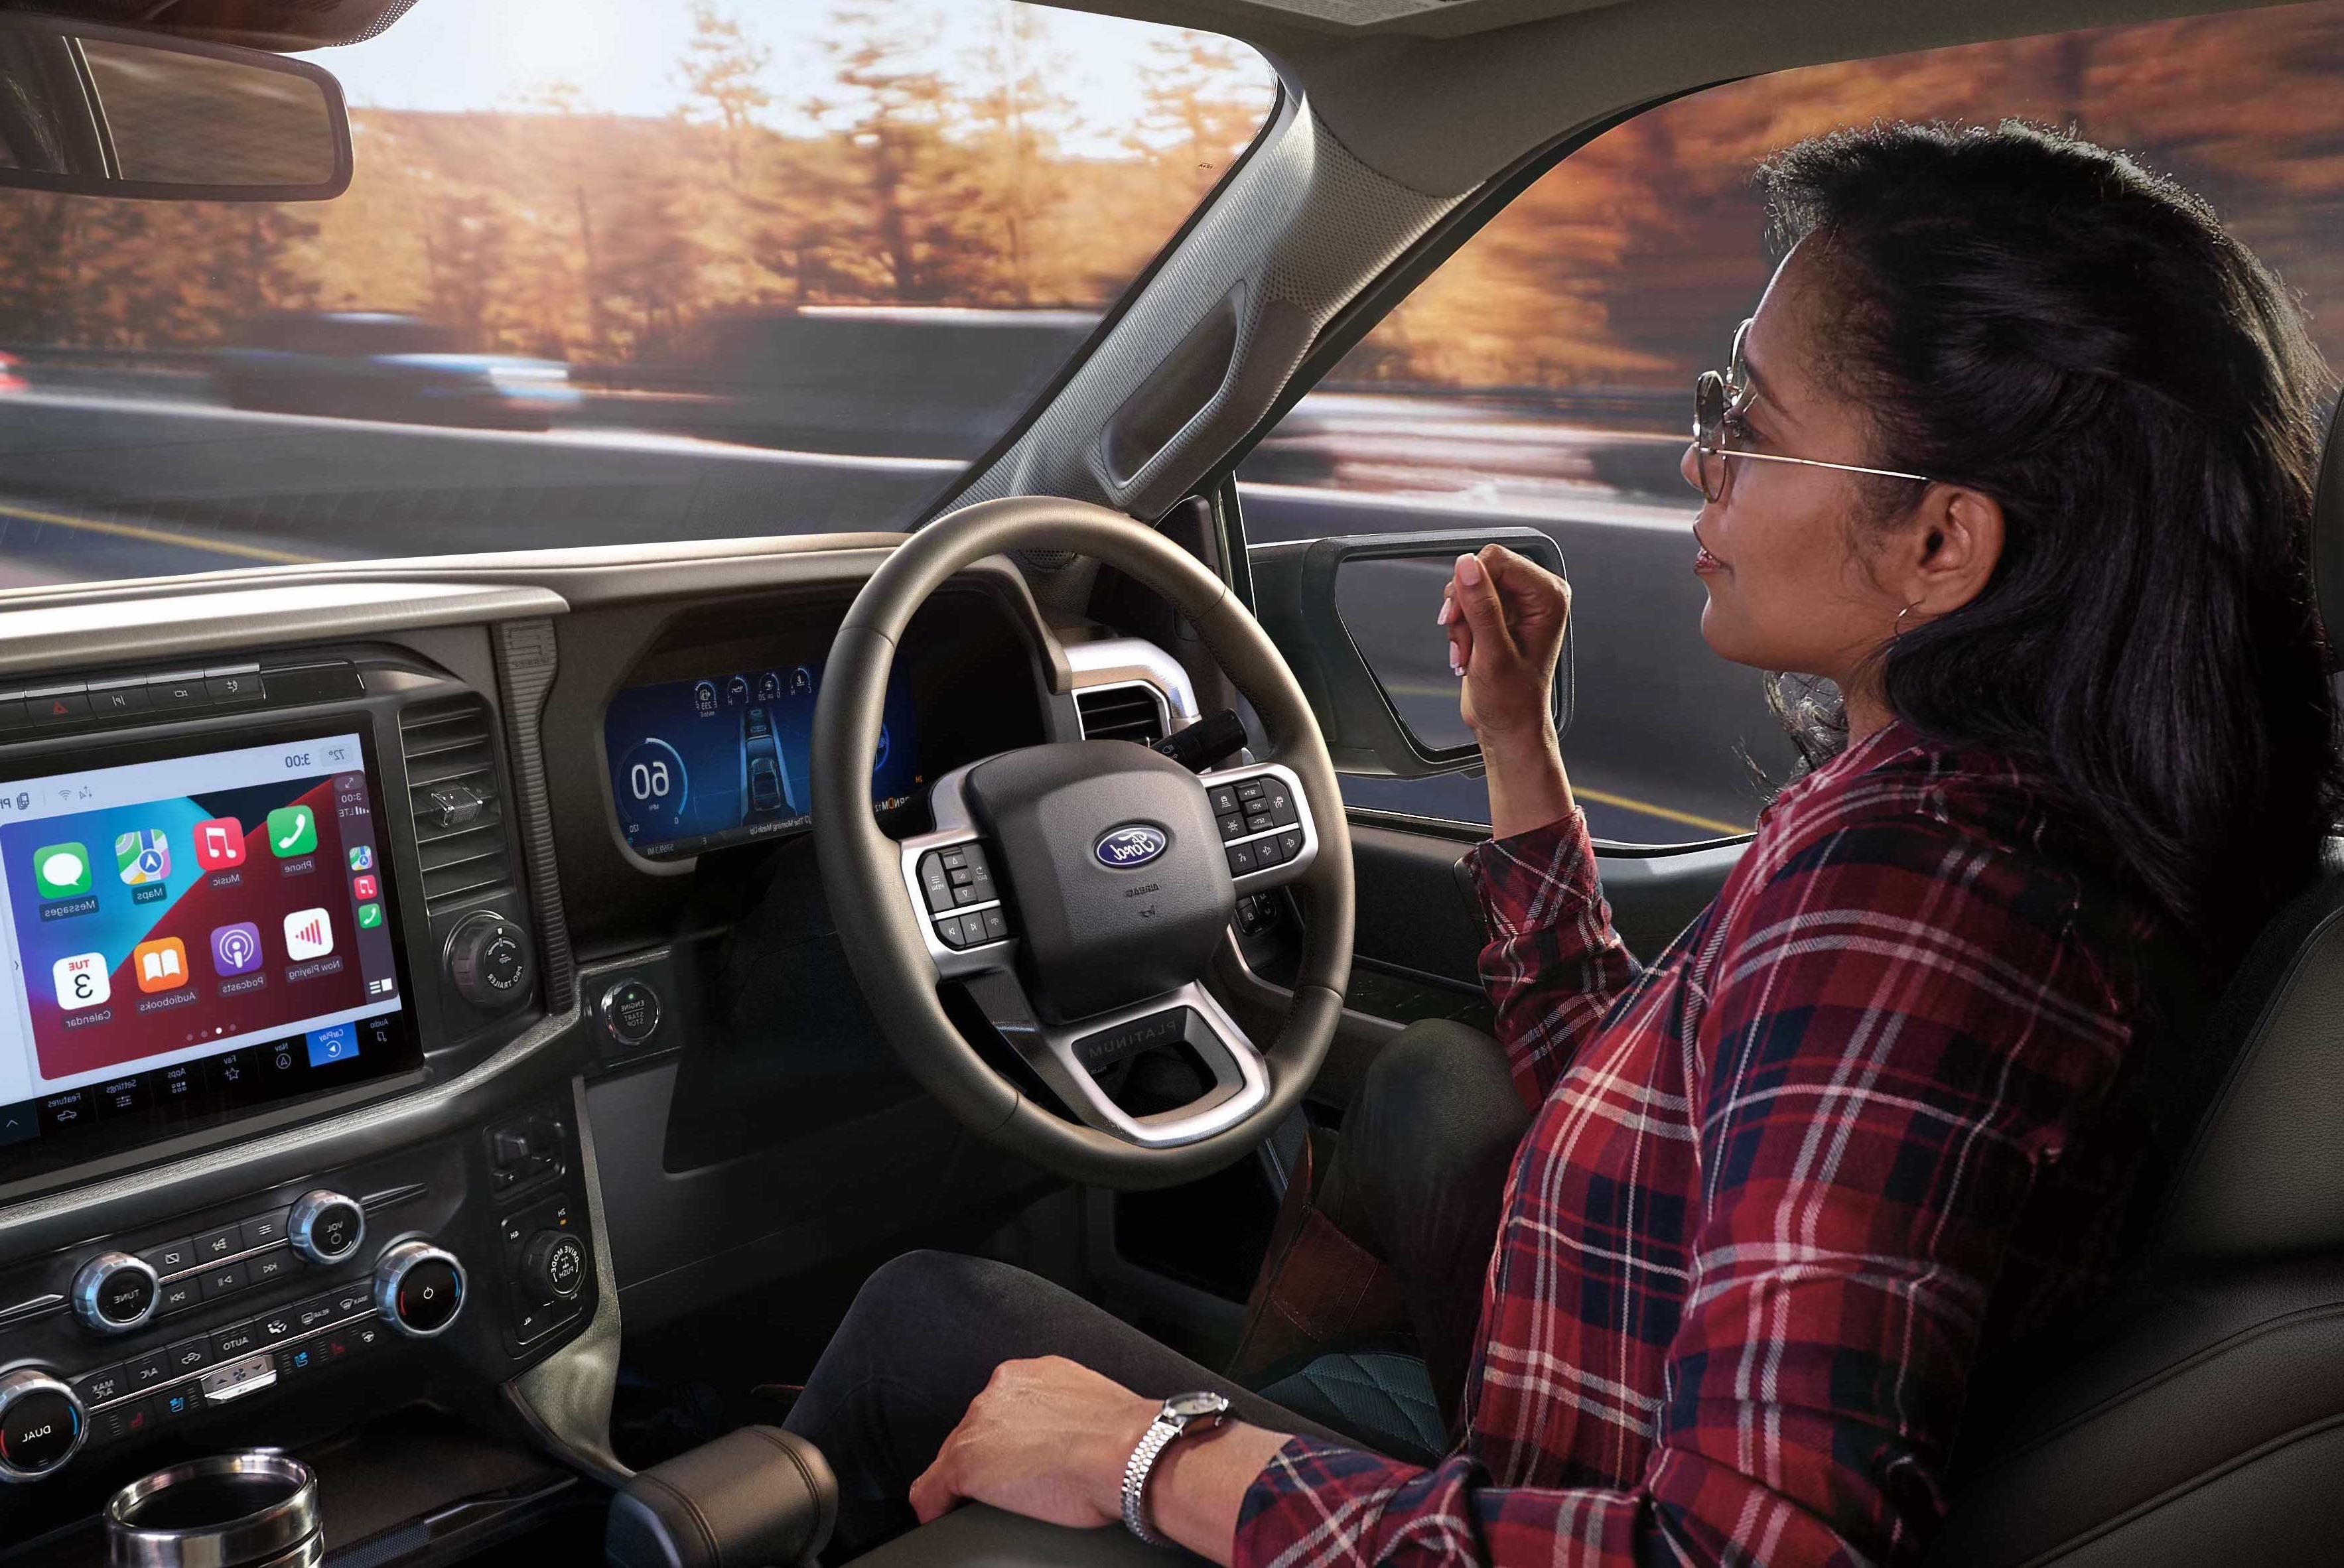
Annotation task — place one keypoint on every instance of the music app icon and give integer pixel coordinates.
(220, 843)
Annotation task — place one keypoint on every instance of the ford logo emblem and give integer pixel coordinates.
(1133, 844)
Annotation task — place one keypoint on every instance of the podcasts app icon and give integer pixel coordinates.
(236, 950)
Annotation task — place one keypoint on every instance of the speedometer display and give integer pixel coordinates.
(723, 758)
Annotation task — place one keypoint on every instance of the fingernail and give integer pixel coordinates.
(1455, 669)
(1448, 608)
(1468, 571)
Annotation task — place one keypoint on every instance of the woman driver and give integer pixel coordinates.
(2018, 454)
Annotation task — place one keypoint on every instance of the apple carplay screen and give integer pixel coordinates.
(192, 937)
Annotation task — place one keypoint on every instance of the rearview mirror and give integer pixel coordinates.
(93, 110)
(1354, 617)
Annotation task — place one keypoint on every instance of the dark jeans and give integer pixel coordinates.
(1419, 1179)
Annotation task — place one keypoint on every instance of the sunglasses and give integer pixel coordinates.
(1719, 402)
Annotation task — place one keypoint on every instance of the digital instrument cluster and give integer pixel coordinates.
(724, 757)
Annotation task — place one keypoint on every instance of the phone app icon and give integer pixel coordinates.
(365, 887)
(308, 934)
(292, 830)
(220, 843)
(81, 980)
(61, 870)
(362, 858)
(141, 856)
(369, 916)
(160, 965)
(236, 950)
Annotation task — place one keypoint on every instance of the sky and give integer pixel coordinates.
(622, 54)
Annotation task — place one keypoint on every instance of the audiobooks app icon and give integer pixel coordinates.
(308, 934)
(160, 966)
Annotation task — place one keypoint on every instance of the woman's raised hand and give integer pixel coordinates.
(1505, 616)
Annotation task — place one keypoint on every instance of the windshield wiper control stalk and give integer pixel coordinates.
(1215, 737)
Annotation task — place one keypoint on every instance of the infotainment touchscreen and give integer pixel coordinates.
(723, 758)
(191, 937)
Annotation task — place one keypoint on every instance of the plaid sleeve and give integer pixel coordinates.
(1552, 965)
(1902, 1031)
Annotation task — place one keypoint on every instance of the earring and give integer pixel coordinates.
(1896, 628)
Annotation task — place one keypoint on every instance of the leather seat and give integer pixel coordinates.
(2197, 1416)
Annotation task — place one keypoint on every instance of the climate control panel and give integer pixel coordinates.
(223, 1313)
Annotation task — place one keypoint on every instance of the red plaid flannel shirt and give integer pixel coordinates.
(1875, 1112)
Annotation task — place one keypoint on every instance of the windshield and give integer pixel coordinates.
(610, 271)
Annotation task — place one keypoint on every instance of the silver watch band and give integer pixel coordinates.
(1157, 1437)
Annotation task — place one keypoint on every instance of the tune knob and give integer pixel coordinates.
(419, 1288)
(326, 1227)
(114, 1293)
(553, 1265)
(487, 960)
(42, 1425)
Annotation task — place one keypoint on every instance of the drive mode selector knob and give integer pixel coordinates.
(41, 1424)
(419, 1288)
(553, 1264)
(114, 1293)
(487, 960)
(326, 1227)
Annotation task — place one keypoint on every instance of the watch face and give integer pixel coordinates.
(1188, 1406)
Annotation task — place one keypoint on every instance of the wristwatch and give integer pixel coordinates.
(1181, 1414)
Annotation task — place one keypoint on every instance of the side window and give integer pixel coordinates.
(1543, 375)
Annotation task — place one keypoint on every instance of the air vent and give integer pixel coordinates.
(451, 788)
(1122, 713)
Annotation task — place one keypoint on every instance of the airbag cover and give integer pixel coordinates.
(1114, 870)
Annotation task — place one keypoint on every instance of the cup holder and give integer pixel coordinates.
(250, 1510)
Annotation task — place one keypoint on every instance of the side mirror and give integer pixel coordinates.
(1354, 617)
(91, 110)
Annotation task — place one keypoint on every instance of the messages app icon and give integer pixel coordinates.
(61, 870)
(292, 830)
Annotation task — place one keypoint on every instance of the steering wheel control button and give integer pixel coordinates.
(488, 961)
(935, 881)
(42, 1425)
(997, 924)
(1232, 827)
(1250, 790)
(326, 1227)
(553, 1266)
(1290, 844)
(1241, 860)
(1225, 801)
(419, 1288)
(114, 1293)
(631, 1015)
(949, 932)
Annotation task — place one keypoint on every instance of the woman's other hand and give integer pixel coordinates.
(1047, 1439)
(1505, 616)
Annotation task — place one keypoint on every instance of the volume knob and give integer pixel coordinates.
(114, 1293)
(326, 1227)
(42, 1425)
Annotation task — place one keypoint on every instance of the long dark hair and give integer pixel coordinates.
(2040, 318)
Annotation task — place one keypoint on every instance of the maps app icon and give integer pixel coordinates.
(141, 856)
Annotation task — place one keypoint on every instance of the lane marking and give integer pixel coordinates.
(1666, 813)
(163, 537)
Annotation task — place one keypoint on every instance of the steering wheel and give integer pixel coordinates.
(1080, 888)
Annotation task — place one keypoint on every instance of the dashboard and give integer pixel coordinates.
(404, 973)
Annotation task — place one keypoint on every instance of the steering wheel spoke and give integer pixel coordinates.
(1084, 1061)
(1268, 835)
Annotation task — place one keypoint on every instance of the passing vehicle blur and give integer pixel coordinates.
(383, 364)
